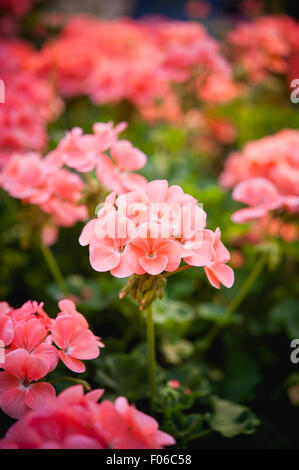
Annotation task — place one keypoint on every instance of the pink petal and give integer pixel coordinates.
(39, 395)
(103, 256)
(6, 330)
(133, 181)
(84, 345)
(123, 269)
(155, 265)
(12, 402)
(30, 334)
(15, 363)
(108, 173)
(224, 274)
(8, 381)
(255, 191)
(212, 278)
(157, 190)
(249, 213)
(63, 330)
(72, 394)
(170, 249)
(127, 157)
(88, 232)
(49, 354)
(133, 254)
(73, 364)
(35, 368)
(80, 441)
(201, 256)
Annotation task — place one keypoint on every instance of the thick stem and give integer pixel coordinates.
(151, 354)
(237, 301)
(54, 268)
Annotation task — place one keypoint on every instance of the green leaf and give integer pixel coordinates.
(231, 419)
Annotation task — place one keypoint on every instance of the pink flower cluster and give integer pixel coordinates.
(86, 152)
(76, 421)
(30, 102)
(137, 61)
(33, 344)
(150, 231)
(36, 180)
(265, 45)
(57, 190)
(266, 173)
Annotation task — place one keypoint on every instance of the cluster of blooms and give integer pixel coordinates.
(36, 180)
(266, 45)
(137, 61)
(29, 102)
(150, 231)
(76, 421)
(266, 175)
(57, 190)
(33, 344)
(86, 152)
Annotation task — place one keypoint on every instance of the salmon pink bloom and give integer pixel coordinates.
(153, 255)
(260, 194)
(18, 393)
(106, 134)
(77, 150)
(151, 230)
(116, 173)
(125, 427)
(216, 270)
(25, 177)
(75, 342)
(76, 421)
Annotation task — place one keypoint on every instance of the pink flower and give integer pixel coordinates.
(76, 421)
(25, 177)
(124, 427)
(116, 174)
(64, 201)
(149, 231)
(260, 194)
(153, 256)
(17, 392)
(77, 150)
(216, 270)
(106, 135)
(75, 342)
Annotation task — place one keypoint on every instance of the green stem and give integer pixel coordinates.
(151, 354)
(54, 268)
(246, 286)
(85, 384)
(237, 301)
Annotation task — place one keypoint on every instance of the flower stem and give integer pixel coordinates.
(237, 301)
(151, 354)
(54, 268)
(85, 384)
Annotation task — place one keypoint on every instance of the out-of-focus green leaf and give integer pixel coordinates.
(231, 419)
